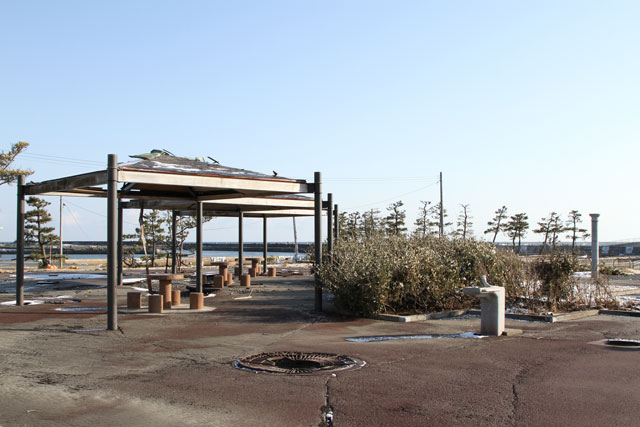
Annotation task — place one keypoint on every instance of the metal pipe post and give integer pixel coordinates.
(120, 219)
(441, 227)
(595, 246)
(317, 178)
(336, 222)
(264, 243)
(112, 242)
(20, 243)
(61, 260)
(329, 223)
(174, 242)
(240, 242)
(199, 246)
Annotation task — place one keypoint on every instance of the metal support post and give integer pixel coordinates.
(317, 178)
(264, 244)
(20, 243)
(199, 246)
(595, 246)
(240, 243)
(336, 221)
(112, 242)
(329, 224)
(120, 220)
(174, 242)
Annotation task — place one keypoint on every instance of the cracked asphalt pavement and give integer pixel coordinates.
(178, 369)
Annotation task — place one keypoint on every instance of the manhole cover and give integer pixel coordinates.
(293, 362)
(623, 343)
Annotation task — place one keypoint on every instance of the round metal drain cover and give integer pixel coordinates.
(294, 362)
(623, 343)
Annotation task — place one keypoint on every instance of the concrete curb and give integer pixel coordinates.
(546, 318)
(620, 313)
(419, 317)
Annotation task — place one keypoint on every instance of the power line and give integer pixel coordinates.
(394, 197)
(378, 179)
(78, 223)
(60, 159)
(97, 213)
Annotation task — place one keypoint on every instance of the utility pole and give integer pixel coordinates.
(441, 209)
(61, 244)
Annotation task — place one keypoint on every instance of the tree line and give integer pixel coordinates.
(551, 228)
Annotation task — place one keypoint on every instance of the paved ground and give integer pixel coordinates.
(177, 369)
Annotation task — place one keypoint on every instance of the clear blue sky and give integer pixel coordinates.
(529, 104)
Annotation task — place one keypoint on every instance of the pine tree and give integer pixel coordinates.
(556, 229)
(6, 158)
(434, 219)
(546, 226)
(464, 222)
(517, 228)
(422, 222)
(370, 222)
(497, 224)
(395, 220)
(35, 229)
(352, 225)
(151, 232)
(573, 227)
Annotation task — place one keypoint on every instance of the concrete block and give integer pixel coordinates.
(196, 300)
(253, 272)
(229, 278)
(271, 271)
(155, 303)
(134, 300)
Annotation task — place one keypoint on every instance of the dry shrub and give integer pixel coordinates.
(396, 274)
(548, 285)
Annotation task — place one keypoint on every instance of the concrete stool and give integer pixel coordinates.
(245, 280)
(165, 291)
(253, 272)
(175, 298)
(155, 303)
(222, 270)
(134, 300)
(229, 278)
(271, 271)
(492, 307)
(218, 281)
(196, 301)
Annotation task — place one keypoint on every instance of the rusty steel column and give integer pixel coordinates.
(20, 243)
(112, 242)
(317, 193)
(198, 246)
